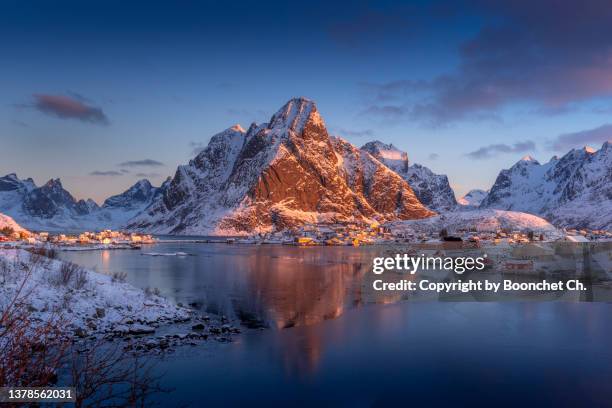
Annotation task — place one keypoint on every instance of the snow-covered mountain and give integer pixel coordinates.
(50, 207)
(573, 191)
(432, 189)
(473, 198)
(118, 210)
(278, 175)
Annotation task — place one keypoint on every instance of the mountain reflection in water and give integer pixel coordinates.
(343, 350)
(284, 286)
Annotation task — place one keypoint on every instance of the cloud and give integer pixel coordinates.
(69, 107)
(354, 133)
(520, 55)
(434, 156)
(595, 136)
(147, 175)
(112, 173)
(493, 150)
(142, 163)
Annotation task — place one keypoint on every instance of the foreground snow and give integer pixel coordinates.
(479, 220)
(95, 304)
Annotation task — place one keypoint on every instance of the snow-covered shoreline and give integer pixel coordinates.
(88, 302)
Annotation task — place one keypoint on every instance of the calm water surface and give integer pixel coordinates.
(321, 335)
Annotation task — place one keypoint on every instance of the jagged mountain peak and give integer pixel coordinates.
(279, 175)
(11, 182)
(295, 114)
(142, 184)
(528, 159)
(237, 128)
(53, 183)
(140, 192)
(388, 152)
(432, 189)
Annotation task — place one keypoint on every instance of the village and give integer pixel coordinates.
(515, 252)
(322, 234)
(361, 233)
(106, 239)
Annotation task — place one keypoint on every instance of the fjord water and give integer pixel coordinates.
(319, 333)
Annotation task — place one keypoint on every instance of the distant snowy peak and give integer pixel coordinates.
(473, 198)
(135, 196)
(12, 183)
(278, 175)
(51, 207)
(574, 190)
(389, 155)
(51, 199)
(432, 189)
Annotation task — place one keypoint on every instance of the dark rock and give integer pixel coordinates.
(100, 312)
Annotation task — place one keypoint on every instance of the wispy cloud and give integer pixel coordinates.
(69, 107)
(142, 163)
(595, 136)
(434, 156)
(353, 132)
(147, 175)
(111, 173)
(493, 150)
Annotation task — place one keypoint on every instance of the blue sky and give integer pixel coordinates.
(465, 87)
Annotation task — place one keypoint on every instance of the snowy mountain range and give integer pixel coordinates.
(432, 189)
(278, 175)
(290, 171)
(51, 207)
(574, 190)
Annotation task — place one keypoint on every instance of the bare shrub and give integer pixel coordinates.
(7, 231)
(80, 279)
(4, 271)
(32, 353)
(119, 276)
(149, 292)
(50, 253)
(67, 273)
(105, 375)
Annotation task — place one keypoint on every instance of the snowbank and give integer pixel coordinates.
(479, 220)
(88, 301)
